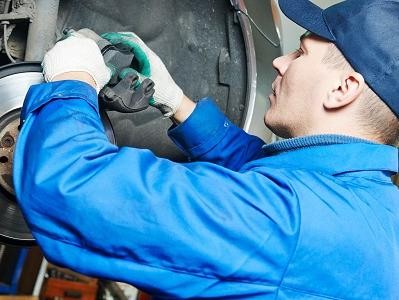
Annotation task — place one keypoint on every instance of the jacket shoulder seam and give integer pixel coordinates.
(293, 251)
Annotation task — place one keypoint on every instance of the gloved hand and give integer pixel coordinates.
(168, 95)
(76, 53)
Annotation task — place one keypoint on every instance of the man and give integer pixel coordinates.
(311, 217)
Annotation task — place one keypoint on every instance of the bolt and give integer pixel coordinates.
(7, 141)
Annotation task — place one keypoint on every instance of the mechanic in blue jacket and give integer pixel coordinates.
(314, 216)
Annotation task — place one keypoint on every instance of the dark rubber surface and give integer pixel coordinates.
(200, 42)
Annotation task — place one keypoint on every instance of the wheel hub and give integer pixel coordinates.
(15, 81)
(8, 135)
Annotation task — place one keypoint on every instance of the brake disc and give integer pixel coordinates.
(15, 81)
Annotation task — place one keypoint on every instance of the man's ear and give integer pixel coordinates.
(345, 92)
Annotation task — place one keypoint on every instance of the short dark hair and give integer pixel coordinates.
(375, 116)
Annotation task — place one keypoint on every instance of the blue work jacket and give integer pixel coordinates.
(306, 218)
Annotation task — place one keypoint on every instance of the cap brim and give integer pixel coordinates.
(307, 15)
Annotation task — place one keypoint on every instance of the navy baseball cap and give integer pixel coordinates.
(367, 34)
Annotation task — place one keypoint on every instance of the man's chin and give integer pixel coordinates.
(277, 128)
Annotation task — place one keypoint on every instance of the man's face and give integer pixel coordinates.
(299, 88)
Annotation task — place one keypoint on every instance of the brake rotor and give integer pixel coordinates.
(15, 81)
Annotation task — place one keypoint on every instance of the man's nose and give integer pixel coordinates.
(281, 63)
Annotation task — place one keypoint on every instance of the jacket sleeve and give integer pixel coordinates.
(208, 135)
(175, 230)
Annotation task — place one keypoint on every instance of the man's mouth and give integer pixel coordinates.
(274, 88)
(276, 85)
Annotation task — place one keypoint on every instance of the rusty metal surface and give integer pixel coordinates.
(8, 136)
(15, 81)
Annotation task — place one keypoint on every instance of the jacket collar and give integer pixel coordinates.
(332, 154)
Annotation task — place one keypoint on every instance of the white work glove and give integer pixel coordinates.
(76, 53)
(168, 95)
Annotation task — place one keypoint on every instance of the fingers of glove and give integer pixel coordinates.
(123, 37)
(137, 40)
(164, 109)
(145, 57)
(167, 97)
(167, 93)
(76, 53)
